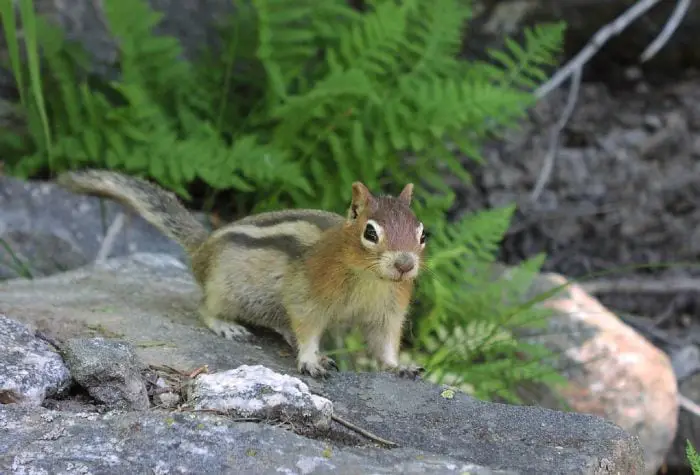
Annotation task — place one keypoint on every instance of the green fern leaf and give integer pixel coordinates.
(693, 457)
(434, 38)
(522, 64)
(372, 45)
(297, 111)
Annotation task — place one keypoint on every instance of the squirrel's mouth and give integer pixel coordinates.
(397, 277)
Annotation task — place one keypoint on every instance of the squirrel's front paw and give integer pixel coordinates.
(230, 330)
(409, 371)
(318, 368)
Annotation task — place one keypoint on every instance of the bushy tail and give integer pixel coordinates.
(156, 205)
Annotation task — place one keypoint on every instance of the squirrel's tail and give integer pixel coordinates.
(156, 205)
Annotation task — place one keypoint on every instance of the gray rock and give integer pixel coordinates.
(147, 299)
(50, 230)
(522, 438)
(30, 370)
(157, 442)
(258, 392)
(109, 370)
(167, 400)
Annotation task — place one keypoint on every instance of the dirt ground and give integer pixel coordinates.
(624, 189)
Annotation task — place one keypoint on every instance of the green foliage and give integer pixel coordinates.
(301, 99)
(477, 322)
(693, 458)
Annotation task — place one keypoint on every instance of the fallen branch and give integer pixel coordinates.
(556, 132)
(362, 431)
(689, 405)
(569, 212)
(198, 371)
(656, 286)
(671, 26)
(601, 37)
(110, 238)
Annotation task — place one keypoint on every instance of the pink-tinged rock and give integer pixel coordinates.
(613, 371)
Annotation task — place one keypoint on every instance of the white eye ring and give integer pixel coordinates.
(372, 234)
(419, 235)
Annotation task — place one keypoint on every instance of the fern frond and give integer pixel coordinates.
(296, 111)
(522, 65)
(373, 45)
(289, 34)
(434, 39)
(154, 61)
(693, 457)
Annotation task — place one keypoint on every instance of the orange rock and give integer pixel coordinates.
(613, 371)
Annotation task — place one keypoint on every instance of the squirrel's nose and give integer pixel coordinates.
(404, 263)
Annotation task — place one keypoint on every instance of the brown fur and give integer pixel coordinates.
(296, 271)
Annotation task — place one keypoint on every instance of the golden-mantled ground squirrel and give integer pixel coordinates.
(296, 271)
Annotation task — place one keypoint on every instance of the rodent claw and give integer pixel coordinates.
(329, 363)
(315, 370)
(410, 371)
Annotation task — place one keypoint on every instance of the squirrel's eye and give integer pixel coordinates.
(371, 233)
(423, 236)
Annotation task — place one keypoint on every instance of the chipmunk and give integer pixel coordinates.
(296, 271)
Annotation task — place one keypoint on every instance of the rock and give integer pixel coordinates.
(43, 441)
(258, 392)
(109, 370)
(30, 370)
(612, 370)
(151, 298)
(50, 230)
(521, 438)
(167, 400)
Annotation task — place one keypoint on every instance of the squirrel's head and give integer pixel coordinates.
(386, 236)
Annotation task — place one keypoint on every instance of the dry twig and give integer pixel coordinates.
(198, 371)
(601, 37)
(556, 132)
(110, 238)
(671, 26)
(689, 405)
(637, 285)
(362, 431)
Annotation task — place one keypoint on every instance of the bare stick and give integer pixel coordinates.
(671, 26)
(689, 405)
(362, 431)
(599, 39)
(110, 237)
(655, 286)
(556, 132)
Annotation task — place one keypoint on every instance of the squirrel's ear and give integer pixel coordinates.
(360, 199)
(407, 194)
